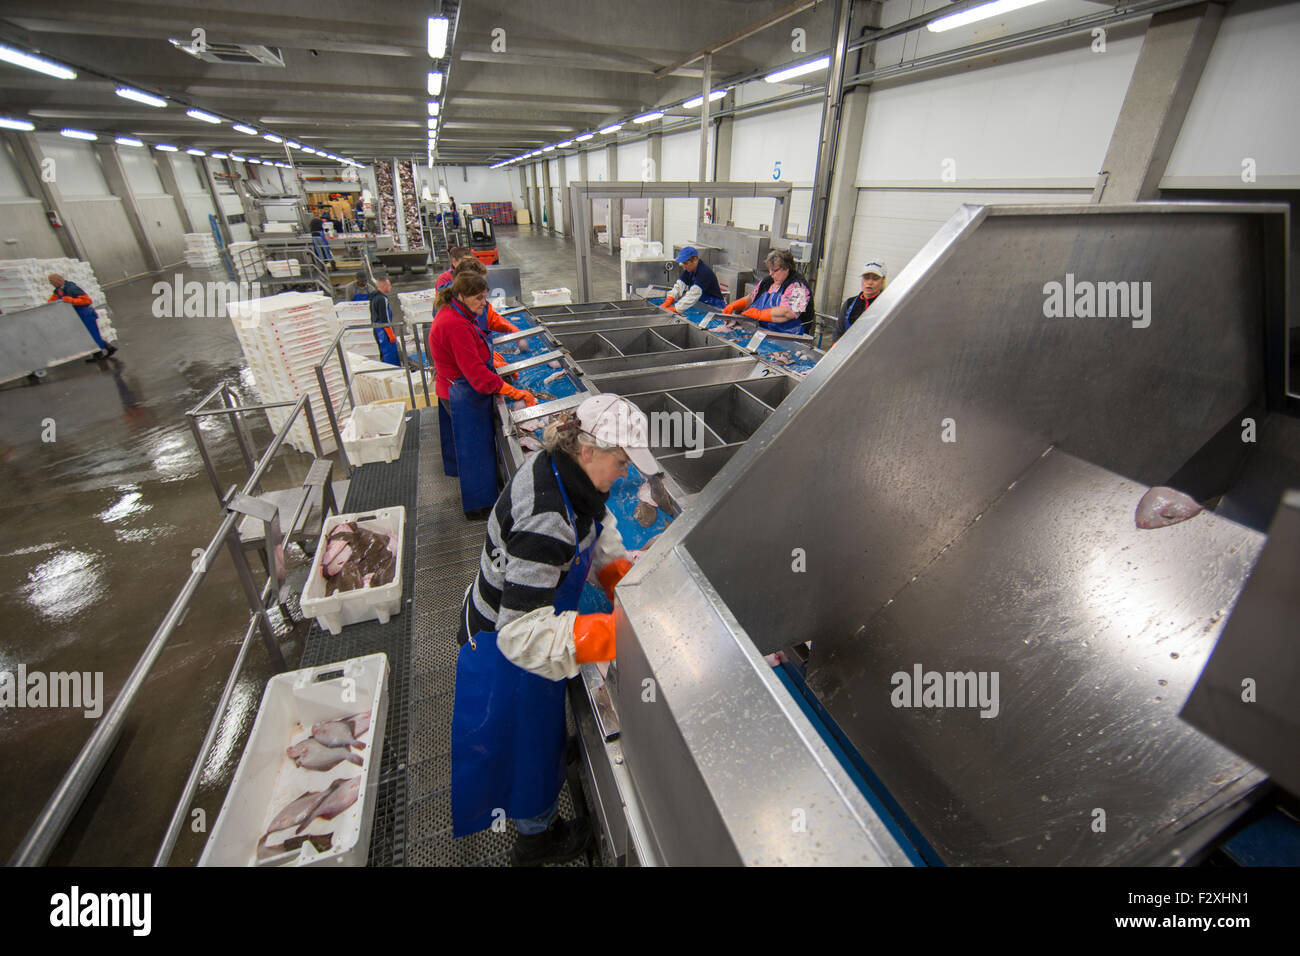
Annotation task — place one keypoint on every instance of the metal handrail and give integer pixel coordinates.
(71, 792)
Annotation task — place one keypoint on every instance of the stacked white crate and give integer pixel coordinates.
(249, 260)
(284, 336)
(23, 285)
(284, 268)
(201, 250)
(416, 306)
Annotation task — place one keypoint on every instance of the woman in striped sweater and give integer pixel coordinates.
(522, 635)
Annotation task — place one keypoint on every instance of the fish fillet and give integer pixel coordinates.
(1161, 507)
(311, 754)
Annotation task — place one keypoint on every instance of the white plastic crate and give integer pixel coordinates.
(559, 296)
(342, 608)
(267, 780)
(387, 423)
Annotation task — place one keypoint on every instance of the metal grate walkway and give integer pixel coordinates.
(447, 549)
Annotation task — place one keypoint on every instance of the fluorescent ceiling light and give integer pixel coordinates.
(195, 152)
(611, 129)
(975, 14)
(127, 141)
(789, 73)
(547, 149)
(218, 155)
(433, 107)
(205, 117)
(78, 134)
(253, 160)
(292, 145)
(7, 123)
(435, 82)
(584, 137)
(29, 62)
(165, 148)
(308, 149)
(713, 98)
(648, 117)
(245, 129)
(438, 37)
(148, 99)
(237, 158)
(567, 142)
(272, 138)
(433, 122)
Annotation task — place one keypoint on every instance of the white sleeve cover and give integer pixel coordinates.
(690, 298)
(608, 547)
(678, 289)
(541, 642)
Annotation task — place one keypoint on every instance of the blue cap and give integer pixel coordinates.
(690, 252)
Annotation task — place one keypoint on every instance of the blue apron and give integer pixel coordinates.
(473, 435)
(89, 317)
(507, 725)
(770, 300)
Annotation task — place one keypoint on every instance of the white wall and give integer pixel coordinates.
(194, 192)
(631, 162)
(76, 168)
(471, 184)
(141, 172)
(1245, 105)
(11, 184)
(776, 147)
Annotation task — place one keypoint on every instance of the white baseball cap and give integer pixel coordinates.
(615, 421)
(875, 267)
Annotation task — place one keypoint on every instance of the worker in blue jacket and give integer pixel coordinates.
(697, 283)
(381, 313)
(76, 297)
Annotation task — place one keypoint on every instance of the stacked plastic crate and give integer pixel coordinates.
(416, 307)
(24, 285)
(284, 336)
(249, 260)
(201, 250)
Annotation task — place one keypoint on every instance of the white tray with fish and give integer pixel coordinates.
(357, 598)
(304, 791)
(374, 433)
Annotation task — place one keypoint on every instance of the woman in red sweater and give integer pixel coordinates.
(465, 382)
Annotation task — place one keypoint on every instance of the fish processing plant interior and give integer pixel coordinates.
(902, 595)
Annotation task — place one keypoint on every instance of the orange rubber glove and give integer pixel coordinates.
(668, 304)
(518, 394)
(593, 638)
(497, 360)
(758, 315)
(497, 324)
(611, 574)
(736, 306)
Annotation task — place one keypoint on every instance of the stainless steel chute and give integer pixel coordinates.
(954, 487)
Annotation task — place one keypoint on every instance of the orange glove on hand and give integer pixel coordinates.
(497, 360)
(611, 574)
(518, 394)
(69, 298)
(736, 306)
(593, 638)
(758, 315)
(668, 304)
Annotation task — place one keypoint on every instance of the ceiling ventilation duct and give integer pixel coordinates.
(245, 54)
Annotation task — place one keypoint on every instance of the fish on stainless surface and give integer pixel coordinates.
(311, 754)
(298, 810)
(341, 795)
(1161, 507)
(530, 443)
(647, 512)
(661, 497)
(543, 396)
(554, 377)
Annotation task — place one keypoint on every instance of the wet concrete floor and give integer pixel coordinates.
(97, 531)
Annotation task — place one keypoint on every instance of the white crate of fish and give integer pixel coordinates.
(374, 433)
(559, 296)
(304, 792)
(351, 580)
